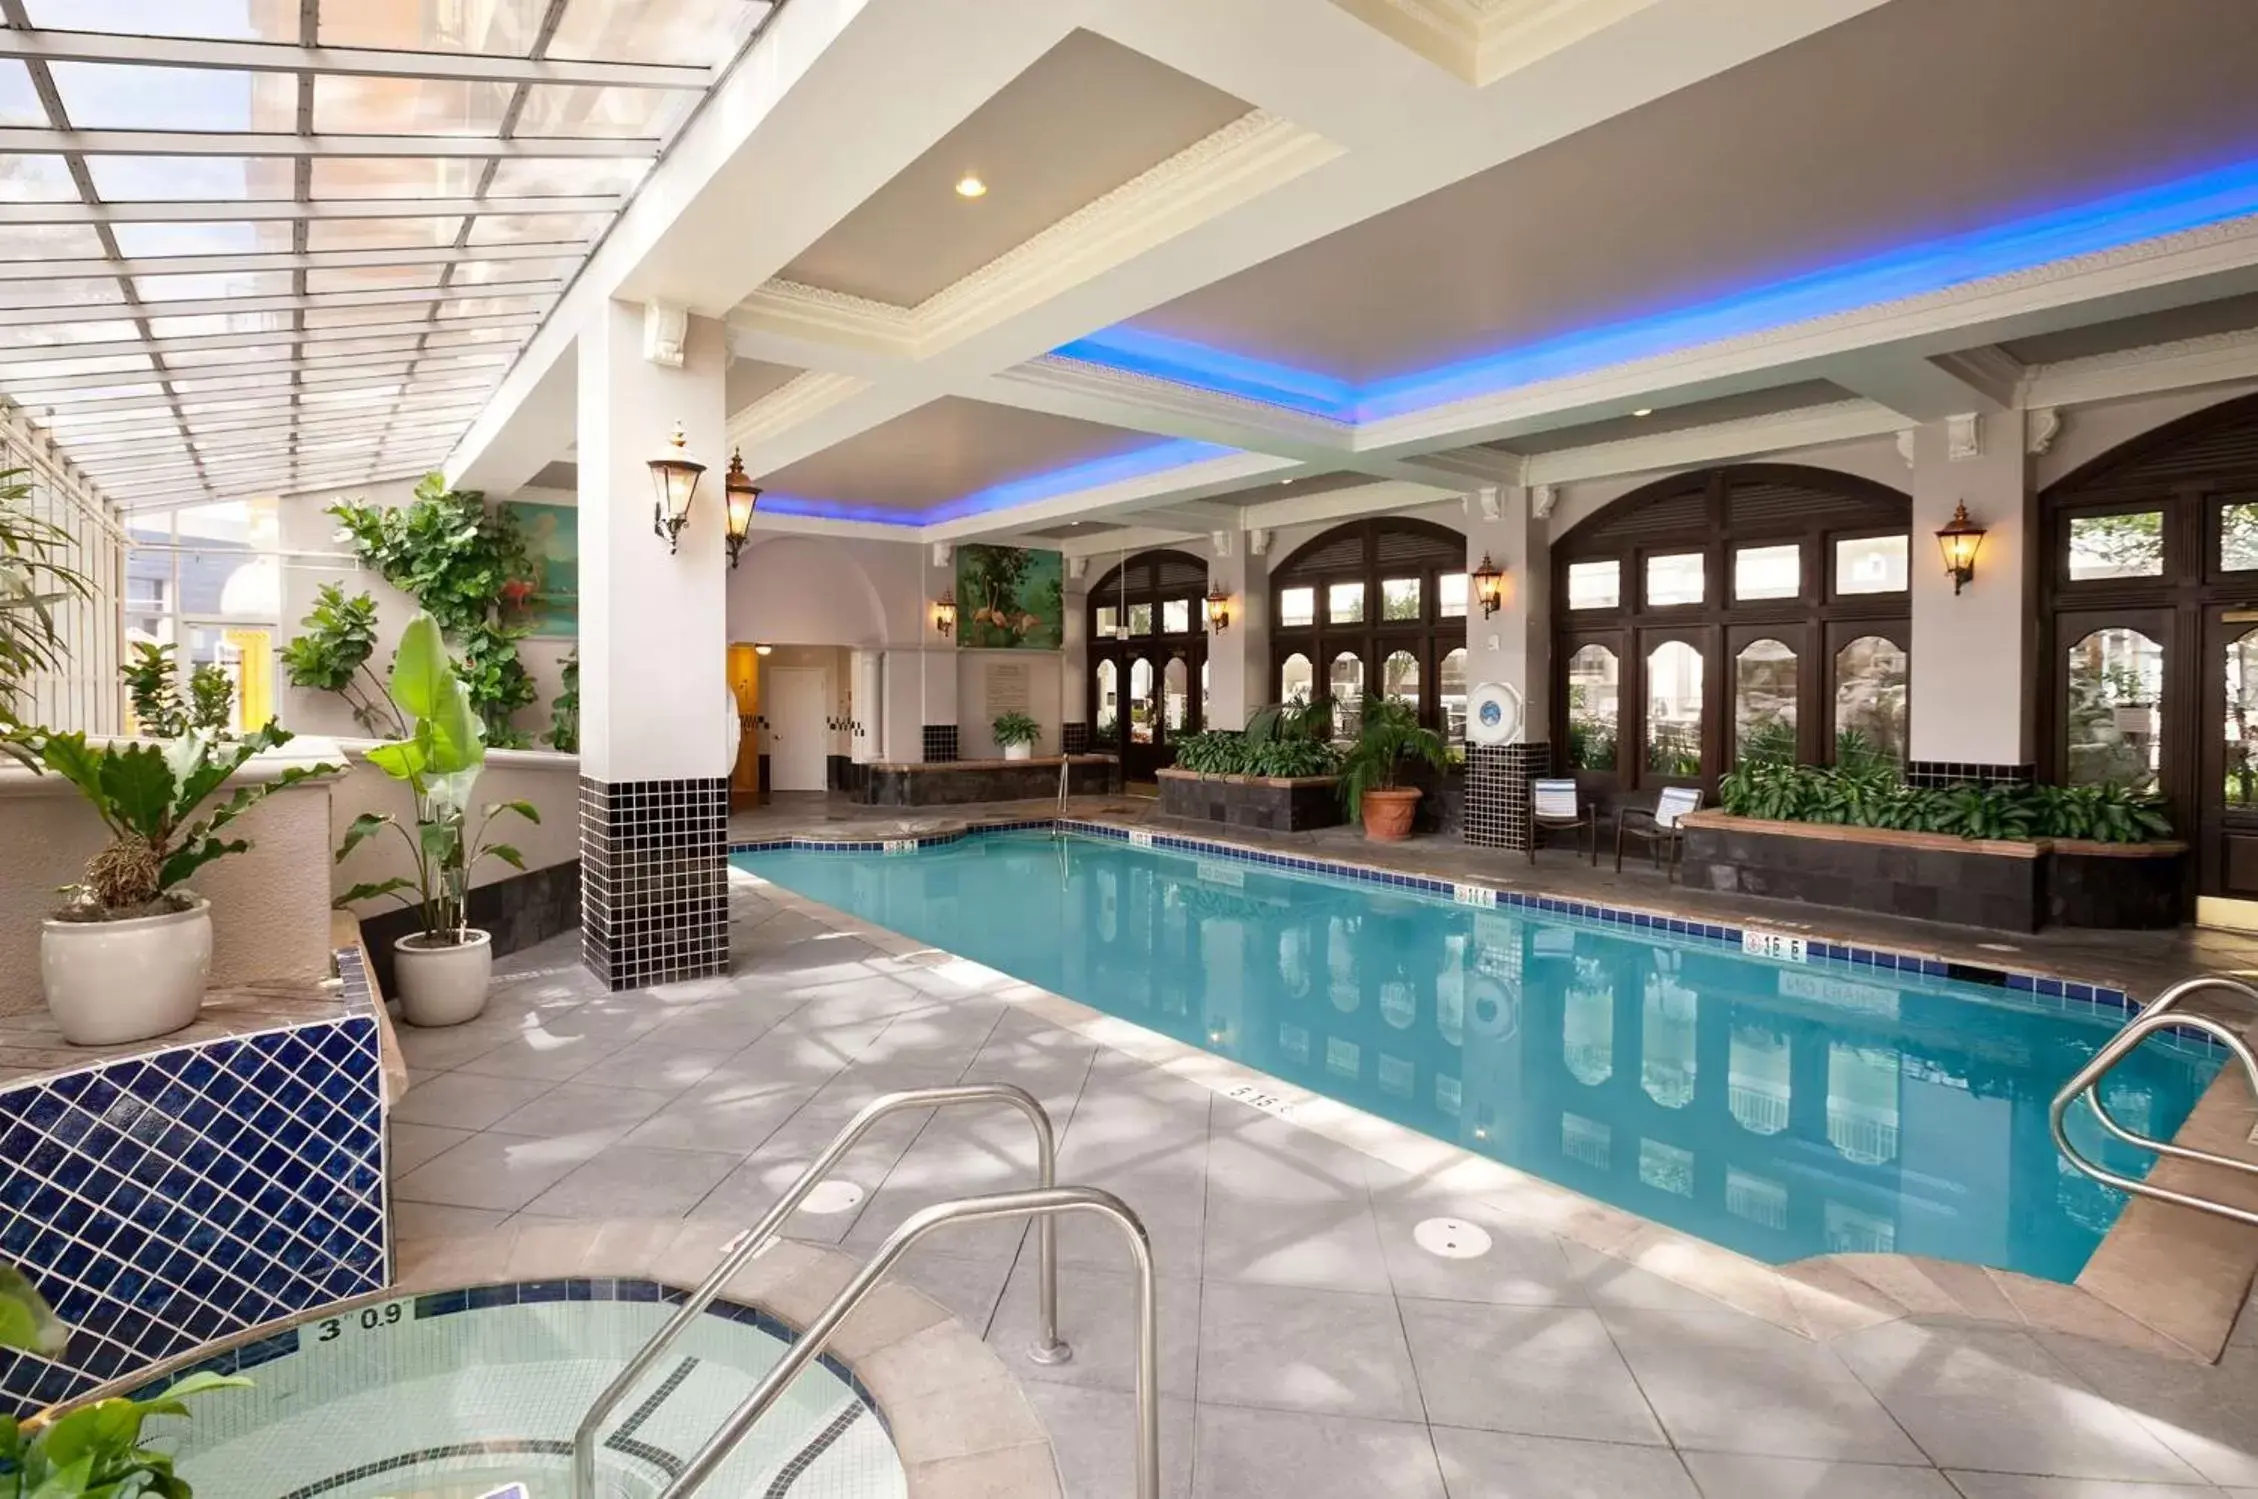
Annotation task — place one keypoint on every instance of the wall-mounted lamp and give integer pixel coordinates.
(739, 495)
(945, 611)
(1219, 610)
(674, 480)
(1489, 586)
(1960, 539)
(763, 649)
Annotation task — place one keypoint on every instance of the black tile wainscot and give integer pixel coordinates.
(654, 879)
(2014, 887)
(519, 911)
(953, 782)
(1277, 804)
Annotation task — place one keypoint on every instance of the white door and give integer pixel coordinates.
(799, 738)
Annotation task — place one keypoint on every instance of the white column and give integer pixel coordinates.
(1973, 672)
(656, 711)
(1238, 657)
(1514, 645)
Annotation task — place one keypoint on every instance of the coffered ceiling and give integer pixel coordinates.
(1413, 250)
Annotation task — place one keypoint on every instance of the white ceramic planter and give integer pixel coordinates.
(442, 985)
(1019, 752)
(110, 982)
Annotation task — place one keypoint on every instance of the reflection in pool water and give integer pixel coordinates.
(1781, 1109)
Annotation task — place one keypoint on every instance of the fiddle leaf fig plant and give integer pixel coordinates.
(147, 795)
(331, 654)
(439, 760)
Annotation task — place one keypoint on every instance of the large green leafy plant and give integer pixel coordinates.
(1226, 752)
(1388, 738)
(1868, 792)
(468, 567)
(152, 684)
(34, 578)
(564, 709)
(147, 795)
(439, 760)
(95, 1452)
(1015, 728)
(331, 654)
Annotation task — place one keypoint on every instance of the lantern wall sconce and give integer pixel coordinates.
(945, 611)
(1219, 610)
(1489, 586)
(740, 496)
(1960, 539)
(674, 483)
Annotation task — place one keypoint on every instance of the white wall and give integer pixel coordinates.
(976, 739)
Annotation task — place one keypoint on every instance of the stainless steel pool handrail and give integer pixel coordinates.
(2160, 1014)
(1048, 1349)
(1044, 1203)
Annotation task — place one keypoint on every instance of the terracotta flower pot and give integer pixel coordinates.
(1388, 814)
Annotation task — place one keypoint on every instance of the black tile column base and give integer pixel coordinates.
(1497, 793)
(1938, 774)
(654, 879)
(940, 742)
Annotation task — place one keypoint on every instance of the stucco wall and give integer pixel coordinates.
(269, 921)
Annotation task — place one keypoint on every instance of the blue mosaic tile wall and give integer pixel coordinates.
(165, 1200)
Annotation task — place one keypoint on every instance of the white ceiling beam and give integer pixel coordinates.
(180, 469)
(2213, 359)
(366, 62)
(25, 138)
(280, 260)
(89, 421)
(270, 442)
(1718, 442)
(377, 374)
(1929, 389)
(390, 296)
(263, 210)
(141, 427)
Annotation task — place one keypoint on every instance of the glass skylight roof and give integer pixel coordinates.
(226, 271)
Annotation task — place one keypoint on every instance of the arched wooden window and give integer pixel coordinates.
(2149, 607)
(1148, 646)
(1378, 606)
(1759, 609)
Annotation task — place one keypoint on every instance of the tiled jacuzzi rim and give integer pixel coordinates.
(2073, 995)
(881, 1351)
(1822, 1297)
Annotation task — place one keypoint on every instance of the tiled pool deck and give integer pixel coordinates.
(1309, 1348)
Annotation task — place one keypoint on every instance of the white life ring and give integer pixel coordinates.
(1493, 714)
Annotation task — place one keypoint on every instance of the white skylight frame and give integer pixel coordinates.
(234, 387)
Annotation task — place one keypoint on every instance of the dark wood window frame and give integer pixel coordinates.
(1156, 578)
(1697, 512)
(1324, 560)
(2190, 470)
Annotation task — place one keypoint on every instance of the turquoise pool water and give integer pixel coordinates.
(1783, 1109)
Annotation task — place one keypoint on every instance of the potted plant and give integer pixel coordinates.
(1389, 735)
(441, 971)
(1016, 733)
(127, 958)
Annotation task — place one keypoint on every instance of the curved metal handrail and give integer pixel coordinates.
(2161, 1013)
(1048, 1349)
(1045, 1203)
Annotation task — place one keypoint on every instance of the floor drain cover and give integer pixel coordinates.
(833, 1196)
(1452, 1238)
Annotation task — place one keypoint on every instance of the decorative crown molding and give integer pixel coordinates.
(1483, 40)
(1240, 161)
(2042, 425)
(1221, 542)
(1104, 382)
(1905, 441)
(790, 404)
(1542, 497)
(1963, 437)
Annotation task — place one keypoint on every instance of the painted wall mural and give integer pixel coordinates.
(1010, 598)
(552, 535)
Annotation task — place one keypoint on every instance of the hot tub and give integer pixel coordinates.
(466, 1393)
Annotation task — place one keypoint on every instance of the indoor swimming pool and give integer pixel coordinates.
(1781, 1107)
(474, 1393)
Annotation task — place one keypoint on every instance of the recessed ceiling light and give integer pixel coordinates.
(1644, 411)
(970, 186)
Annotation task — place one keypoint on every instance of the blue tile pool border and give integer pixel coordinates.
(2070, 994)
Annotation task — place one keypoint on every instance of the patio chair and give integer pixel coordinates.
(1661, 829)
(1553, 805)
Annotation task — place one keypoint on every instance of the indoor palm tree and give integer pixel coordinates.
(34, 578)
